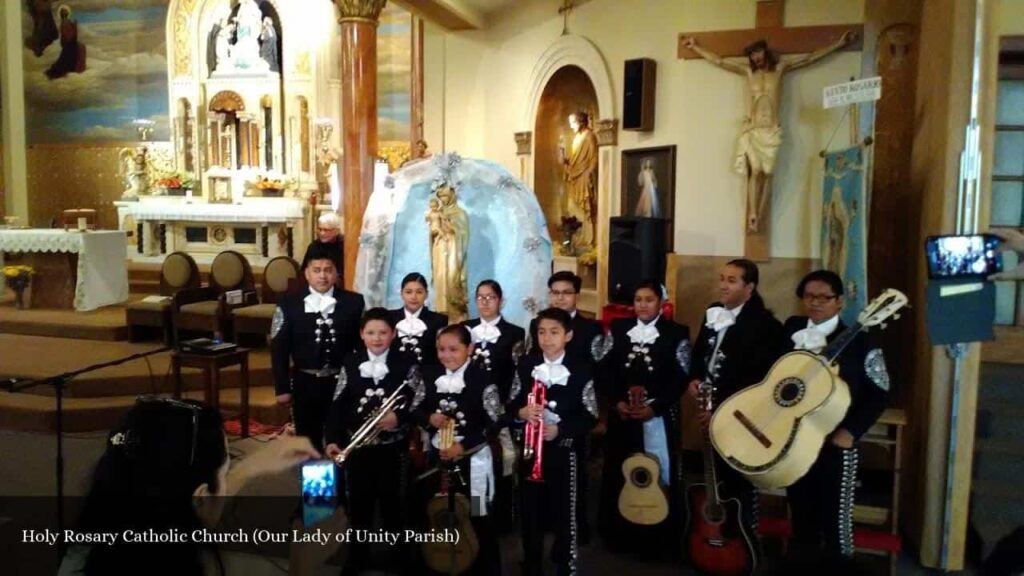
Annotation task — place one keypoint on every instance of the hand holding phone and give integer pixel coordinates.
(1012, 240)
(319, 491)
(970, 256)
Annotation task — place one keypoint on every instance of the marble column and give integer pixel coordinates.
(358, 20)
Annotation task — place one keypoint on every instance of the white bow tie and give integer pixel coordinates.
(811, 339)
(319, 304)
(484, 332)
(375, 369)
(450, 384)
(643, 333)
(551, 374)
(411, 326)
(719, 318)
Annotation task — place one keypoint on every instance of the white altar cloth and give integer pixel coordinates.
(253, 210)
(102, 274)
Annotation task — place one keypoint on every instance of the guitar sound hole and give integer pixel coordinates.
(641, 478)
(789, 392)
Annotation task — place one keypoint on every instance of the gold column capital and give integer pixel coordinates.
(524, 142)
(359, 10)
(607, 132)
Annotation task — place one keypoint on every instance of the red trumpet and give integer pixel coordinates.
(533, 444)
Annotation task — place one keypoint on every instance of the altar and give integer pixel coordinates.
(256, 227)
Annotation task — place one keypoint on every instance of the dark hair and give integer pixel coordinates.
(378, 313)
(825, 276)
(155, 459)
(558, 315)
(319, 251)
(649, 284)
(493, 284)
(415, 277)
(751, 275)
(770, 57)
(582, 117)
(566, 276)
(460, 331)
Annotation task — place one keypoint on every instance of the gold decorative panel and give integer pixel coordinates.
(65, 176)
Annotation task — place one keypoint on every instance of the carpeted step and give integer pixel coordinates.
(38, 413)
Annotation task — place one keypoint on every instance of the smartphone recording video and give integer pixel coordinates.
(972, 256)
(319, 493)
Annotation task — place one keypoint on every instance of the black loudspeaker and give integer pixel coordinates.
(638, 95)
(636, 251)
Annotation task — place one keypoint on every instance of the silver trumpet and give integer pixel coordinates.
(368, 431)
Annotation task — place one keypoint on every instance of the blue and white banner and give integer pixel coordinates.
(844, 232)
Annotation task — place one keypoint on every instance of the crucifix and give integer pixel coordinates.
(566, 7)
(761, 136)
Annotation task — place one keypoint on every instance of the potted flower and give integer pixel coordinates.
(175, 183)
(19, 278)
(271, 184)
(568, 228)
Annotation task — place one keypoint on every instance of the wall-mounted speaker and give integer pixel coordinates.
(637, 248)
(638, 95)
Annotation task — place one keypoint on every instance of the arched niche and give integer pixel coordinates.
(568, 90)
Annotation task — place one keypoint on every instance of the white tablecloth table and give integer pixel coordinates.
(102, 275)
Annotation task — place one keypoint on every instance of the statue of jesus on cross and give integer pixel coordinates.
(761, 137)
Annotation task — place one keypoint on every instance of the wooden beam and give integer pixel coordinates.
(449, 14)
(770, 13)
(799, 40)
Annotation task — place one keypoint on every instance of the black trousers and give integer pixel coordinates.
(311, 404)
(821, 506)
(377, 476)
(735, 485)
(553, 502)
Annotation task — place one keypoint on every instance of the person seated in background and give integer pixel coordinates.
(166, 468)
(328, 235)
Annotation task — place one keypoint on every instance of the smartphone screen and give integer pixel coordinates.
(972, 256)
(319, 496)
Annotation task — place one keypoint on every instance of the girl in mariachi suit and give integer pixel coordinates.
(458, 390)
(822, 500)
(497, 344)
(569, 412)
(417, 325)
(377, 473)
(648, 364)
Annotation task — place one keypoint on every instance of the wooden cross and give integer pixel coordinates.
(797, 40)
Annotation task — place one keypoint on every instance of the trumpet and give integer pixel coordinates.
(368, 432)
(533, 443)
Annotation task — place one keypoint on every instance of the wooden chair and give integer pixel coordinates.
(179, 272)
(278, 276)
(207, 309)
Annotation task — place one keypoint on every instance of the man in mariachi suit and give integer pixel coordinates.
(311, 334)
(822, 500)
(736, 347)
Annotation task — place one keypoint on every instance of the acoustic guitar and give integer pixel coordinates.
(772, 432)
(642, 499)
(716, 540)
(449, 510)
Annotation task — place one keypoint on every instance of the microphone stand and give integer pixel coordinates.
(59, 382)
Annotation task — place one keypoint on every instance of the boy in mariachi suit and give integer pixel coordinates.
(568, 414)
(378, 472)
(822, 500)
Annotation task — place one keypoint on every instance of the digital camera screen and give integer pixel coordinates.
(319, 496)
(963, 256)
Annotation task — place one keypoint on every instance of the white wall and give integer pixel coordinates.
(476, 85)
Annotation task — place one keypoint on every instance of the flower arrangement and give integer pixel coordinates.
(18, 279)
(175, 180)
(570, 225)
(271, 182)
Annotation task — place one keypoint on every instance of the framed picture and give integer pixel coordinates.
(649, 183)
